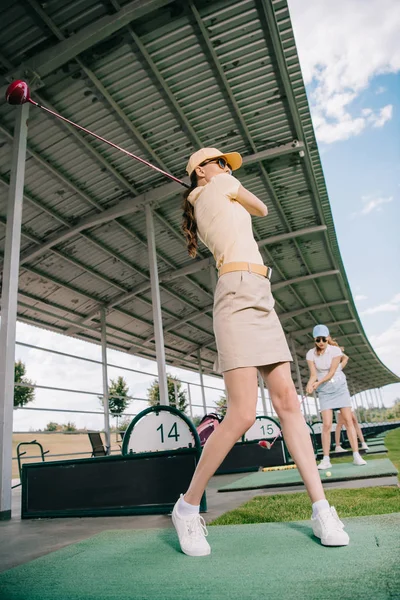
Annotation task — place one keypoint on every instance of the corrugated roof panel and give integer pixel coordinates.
(248, 62)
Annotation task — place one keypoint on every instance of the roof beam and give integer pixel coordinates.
(330, 324)
(126, 207)
(55, 57)
(306, 309)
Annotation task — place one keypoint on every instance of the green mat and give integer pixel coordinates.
(376, 449)
(268, 560)
(375, 442)
(339, 472)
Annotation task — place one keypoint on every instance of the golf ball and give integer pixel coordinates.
(328, 473)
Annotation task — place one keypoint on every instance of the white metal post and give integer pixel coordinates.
(262, 390)
(201, 381)
(381, 395)
(190, 400)
(105, 379)
(317, 406)
(156, 302)
(9, 299)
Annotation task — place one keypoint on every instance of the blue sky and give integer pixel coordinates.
(350, 61)
(359, 172)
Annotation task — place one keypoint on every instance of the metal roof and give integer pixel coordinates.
(163, 78)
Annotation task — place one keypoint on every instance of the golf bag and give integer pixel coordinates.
(207, 425)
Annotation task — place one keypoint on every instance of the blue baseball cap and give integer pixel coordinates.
(320, 331)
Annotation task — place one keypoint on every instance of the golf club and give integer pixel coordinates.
(18, 93)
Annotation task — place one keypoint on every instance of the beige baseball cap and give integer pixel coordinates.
(233, 158)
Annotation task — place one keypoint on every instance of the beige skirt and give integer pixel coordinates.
(247, 330)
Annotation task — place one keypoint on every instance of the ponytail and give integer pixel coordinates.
(333, 342)
(189, 224)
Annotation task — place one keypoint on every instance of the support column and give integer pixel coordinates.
(190, 401)
(262, 390)
(317, 407)
(381, 396)
(298, 376)
(372, 398)
(9, 299)
(201, 381)
(105, 379)
(156, 303)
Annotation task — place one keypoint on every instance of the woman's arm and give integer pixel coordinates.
(313, 376)
(251, 203)
(344, 359)
(334, 365)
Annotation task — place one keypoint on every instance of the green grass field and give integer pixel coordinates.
(357, 502)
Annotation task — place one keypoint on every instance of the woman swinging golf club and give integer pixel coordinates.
(249, 337)
(328, 378)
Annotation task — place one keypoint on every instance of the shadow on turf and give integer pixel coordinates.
(305, 529)
(170, 539)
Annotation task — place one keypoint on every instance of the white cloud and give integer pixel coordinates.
(386, 345)
(360, 297)
(342, 45)
(392, 306)
(380, 90)
(384, 115)
(371, 204)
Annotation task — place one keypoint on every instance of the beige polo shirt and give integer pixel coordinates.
(223, 224)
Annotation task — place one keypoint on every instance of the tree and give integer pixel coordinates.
(118, 393)
(51, 426)
(221, 406)
(176, 396)
(70, 427)
(22, 395)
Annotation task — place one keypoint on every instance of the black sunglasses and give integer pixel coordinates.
(320, 339)
(222, 162)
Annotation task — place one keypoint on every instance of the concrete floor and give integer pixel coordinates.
(25, 540)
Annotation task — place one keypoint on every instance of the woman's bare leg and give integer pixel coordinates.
(339, 426)
(296, 433)
(326, 430)
(348, 423)
(358, 428)
(241, 385)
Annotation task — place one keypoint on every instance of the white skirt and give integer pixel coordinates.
(334, 394)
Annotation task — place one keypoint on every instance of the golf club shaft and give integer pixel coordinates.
(51, 112)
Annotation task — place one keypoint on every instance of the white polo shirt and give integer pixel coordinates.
(323, 361)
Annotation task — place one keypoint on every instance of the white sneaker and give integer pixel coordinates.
(192, 532)
(329, 528)
(324, 464)
(340, 449)
(364, 446)
(358, 461)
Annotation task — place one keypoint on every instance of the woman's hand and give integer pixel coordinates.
(315, 385)
(309, 388)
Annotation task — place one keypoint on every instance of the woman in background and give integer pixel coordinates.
(328, 379)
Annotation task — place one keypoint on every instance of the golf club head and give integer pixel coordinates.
(264, 444)
(17, 92)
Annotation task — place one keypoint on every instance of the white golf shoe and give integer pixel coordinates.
(324, 464)
(329, 528)
(192, 533)
(364, 446)
(358, 461)
(339, 449)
